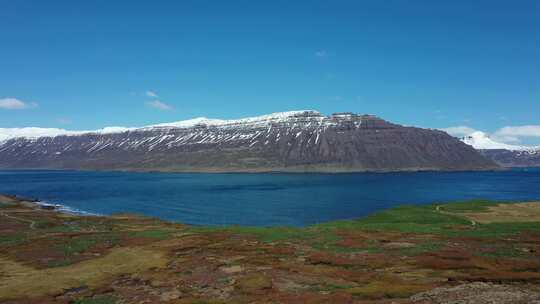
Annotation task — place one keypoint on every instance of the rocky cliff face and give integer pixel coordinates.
(290, 141)
(513, 158)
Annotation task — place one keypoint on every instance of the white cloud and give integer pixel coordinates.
(506, 139)
(459, 131)
(151, 94)
(503, 136)
(15, 104)
(515, 134)
(159, 105)
(519, 131)
(321, 53)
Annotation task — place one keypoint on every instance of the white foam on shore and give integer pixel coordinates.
(66, 209)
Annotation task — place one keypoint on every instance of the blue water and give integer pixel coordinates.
(263, 199)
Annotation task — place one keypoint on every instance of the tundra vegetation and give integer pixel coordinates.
(409, 254)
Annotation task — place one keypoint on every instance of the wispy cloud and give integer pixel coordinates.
(159, 105)
(151, 94)
(321, 53)
(508, 134)
(514, 134)
(520, 131)
(16, 104)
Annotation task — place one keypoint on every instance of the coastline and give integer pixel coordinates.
(38, 204)
(285, 170)
(197, 199)
(467, 249)
(60, 209)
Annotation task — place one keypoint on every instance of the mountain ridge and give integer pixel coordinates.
(295, 141)
(36, 132)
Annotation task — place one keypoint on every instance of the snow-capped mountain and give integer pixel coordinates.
(34, 132)
(288, 141)
(504, 154)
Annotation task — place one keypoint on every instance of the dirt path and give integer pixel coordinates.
(438, 209)
(31, 222)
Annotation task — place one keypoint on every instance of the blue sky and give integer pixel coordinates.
(89, 64)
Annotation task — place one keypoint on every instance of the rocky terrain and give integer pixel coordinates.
(513, 158)
(468, 252)
(478, 293)
(290, 141)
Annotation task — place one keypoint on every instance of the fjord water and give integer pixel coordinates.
(263, 199)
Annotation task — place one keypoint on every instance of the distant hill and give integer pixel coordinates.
(298, 141)
(503, 154)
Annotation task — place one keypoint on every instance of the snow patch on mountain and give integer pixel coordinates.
(263, 119)
(189, 123)
(34, 132)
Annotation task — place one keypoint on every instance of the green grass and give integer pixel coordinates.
(416, 219)
(12, 239)
(91, 224)
(83, 243)
(317, 237)
(75, 225)
(495, 230)
(97, 300)
(467, 206)
(385, 289)
(503, 252)
(61, 229)
(408, 218)
(78, 245)
(154, 234)
(264, 234)
(59, 263)
(422, 248)
(43, 224)
(95, 224)
(427, 220)
(333, 287)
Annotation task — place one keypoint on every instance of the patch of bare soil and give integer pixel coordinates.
(478, 293)
(521, 212)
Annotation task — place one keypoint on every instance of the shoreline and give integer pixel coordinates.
(468, 249)
(271, 170)
(40, 205)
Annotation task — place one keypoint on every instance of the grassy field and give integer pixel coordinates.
(46, 257)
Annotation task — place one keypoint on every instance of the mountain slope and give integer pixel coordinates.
(289, 141)
(504, 154)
